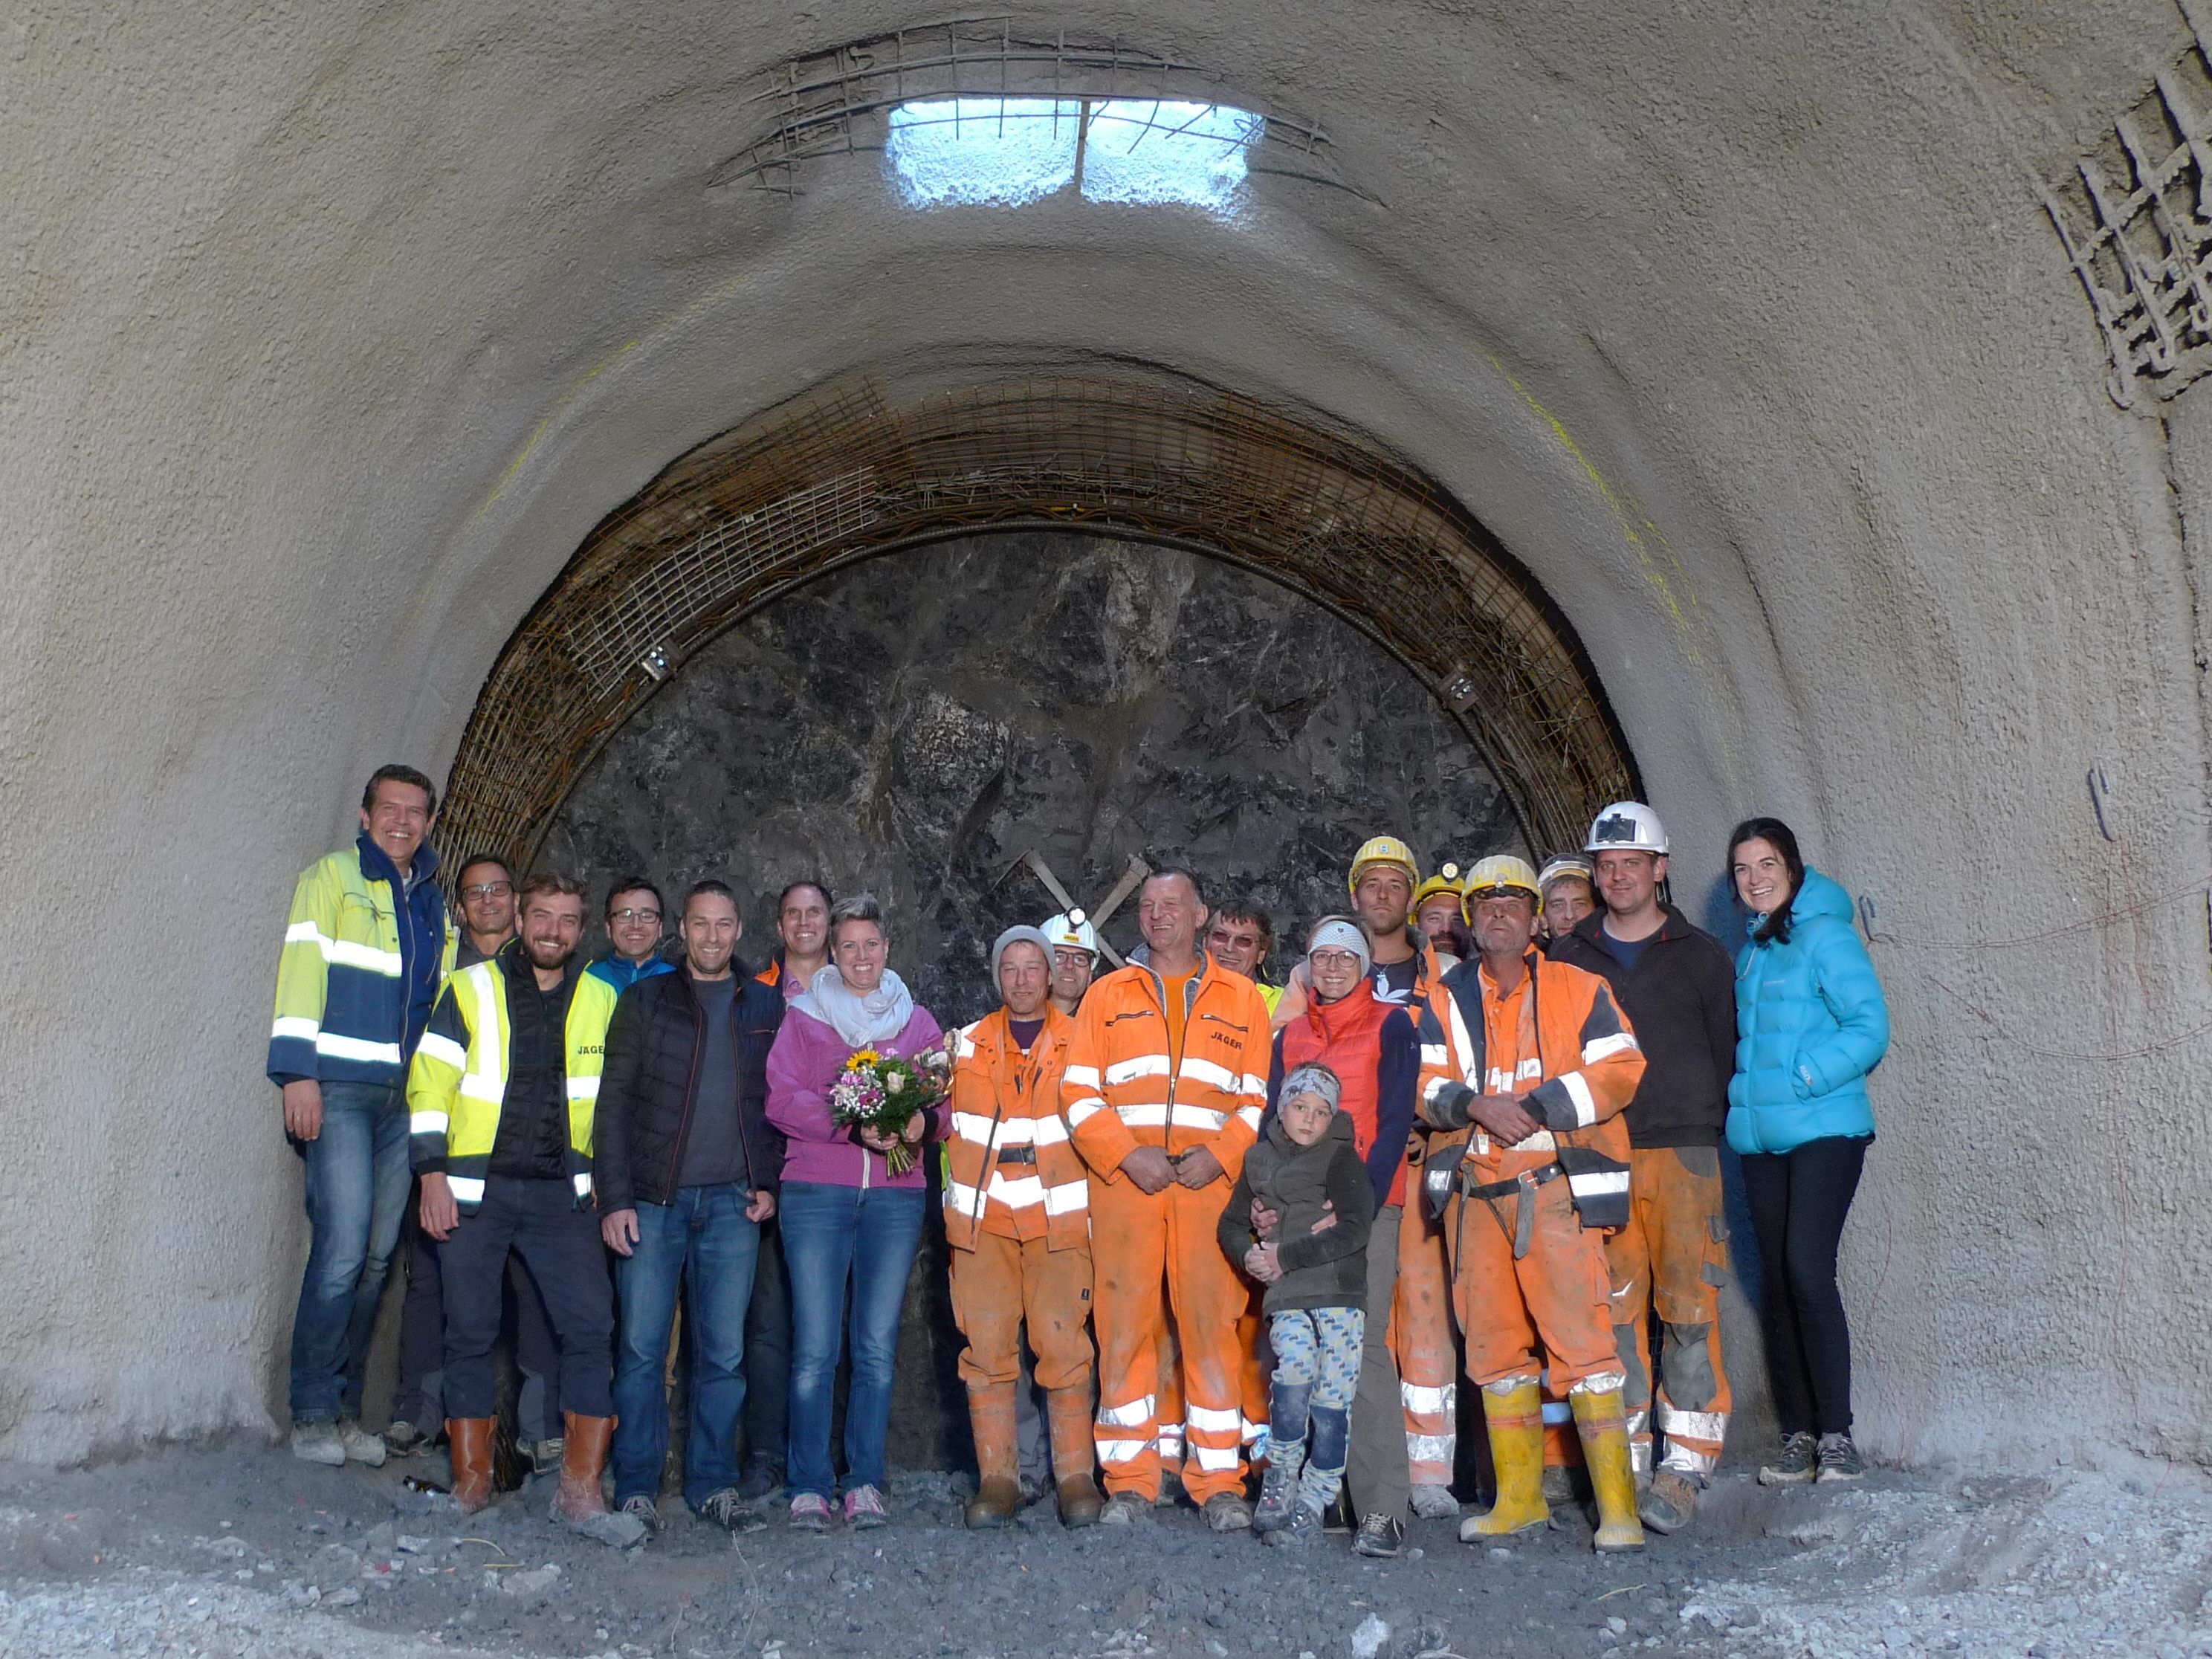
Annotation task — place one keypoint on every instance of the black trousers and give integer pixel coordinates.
(1799, 1200)
(560, 1246)
(768, 1355)
(420, 1396)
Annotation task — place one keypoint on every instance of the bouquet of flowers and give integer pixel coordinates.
(882, 1092)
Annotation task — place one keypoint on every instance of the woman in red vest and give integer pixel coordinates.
(1376, 1049)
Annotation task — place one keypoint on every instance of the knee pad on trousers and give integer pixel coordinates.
(1332, 1433)
(1287, 1408)
(1688, 1362)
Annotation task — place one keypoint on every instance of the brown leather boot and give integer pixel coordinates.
(998, 1494)
(1074, 1456)
(470, 1439)
(582, 1458)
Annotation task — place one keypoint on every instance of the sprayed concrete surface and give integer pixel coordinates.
(324, 340)
(245, 1551)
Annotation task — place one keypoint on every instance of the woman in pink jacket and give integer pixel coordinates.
(847, 1221)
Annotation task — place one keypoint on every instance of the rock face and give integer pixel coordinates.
(915, 725)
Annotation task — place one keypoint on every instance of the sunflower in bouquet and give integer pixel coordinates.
(882, 1092)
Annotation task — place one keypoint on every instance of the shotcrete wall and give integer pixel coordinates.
(326, 339)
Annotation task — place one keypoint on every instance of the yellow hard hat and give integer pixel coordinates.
(1501, 873)
(1445, 881)
(1384, 849)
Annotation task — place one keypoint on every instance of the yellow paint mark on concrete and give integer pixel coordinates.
(575, 388)
(1653, 550)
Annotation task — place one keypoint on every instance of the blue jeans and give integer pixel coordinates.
(834, 1236)
(356, 1192)
(705, 1241)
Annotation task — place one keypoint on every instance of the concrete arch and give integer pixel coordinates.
(845, 473)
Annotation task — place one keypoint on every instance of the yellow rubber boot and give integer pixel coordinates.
(1514, 1411)
(1603, 1424)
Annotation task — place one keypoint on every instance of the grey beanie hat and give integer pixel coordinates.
(1342, 933)
(1019, 936)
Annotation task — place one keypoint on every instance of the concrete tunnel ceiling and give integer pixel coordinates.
(1785, 349)
(753, 514)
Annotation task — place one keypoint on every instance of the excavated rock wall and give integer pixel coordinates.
(327, 342)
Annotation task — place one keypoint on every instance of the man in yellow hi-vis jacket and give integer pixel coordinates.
(502, 1096)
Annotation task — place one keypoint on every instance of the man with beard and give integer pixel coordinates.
(506, 1164)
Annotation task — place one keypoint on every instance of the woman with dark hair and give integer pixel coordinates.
(848, 1221)
(1810, 1025)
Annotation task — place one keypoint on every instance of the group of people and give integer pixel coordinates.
(1207, 1232)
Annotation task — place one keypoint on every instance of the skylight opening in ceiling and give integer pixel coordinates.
(1005, 152)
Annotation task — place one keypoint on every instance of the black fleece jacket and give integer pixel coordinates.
(648, 1089)
(1680, 998)
(1325, 1269)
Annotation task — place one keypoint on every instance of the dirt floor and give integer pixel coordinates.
(240, 1550)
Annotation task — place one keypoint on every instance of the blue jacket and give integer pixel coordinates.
(622, 973)
(1810, 1025)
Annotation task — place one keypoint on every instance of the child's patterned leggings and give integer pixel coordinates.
(1316, 1372)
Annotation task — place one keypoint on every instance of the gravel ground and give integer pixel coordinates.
(240, 1550)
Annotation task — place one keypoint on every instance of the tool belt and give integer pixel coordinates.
(1521, 1189)
(1599, 1185)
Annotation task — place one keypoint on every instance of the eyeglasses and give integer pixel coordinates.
(633, 915)
(487, 889)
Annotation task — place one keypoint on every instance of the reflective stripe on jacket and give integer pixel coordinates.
(458, 1079)
(1123, 1087)
(1006, 1102)
(1585, 1070)
(341, 982)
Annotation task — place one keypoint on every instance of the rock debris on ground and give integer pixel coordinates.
(242, 1551)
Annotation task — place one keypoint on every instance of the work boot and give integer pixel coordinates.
(1074, 1455)
(1433, 1503)
(546, 1456)
(579, 1502)
(469, 1440)
(1124, 1509)
(997, 1492)
(1514, 1413)
(1602, 1420)
(402, 1439)
(1279, 1495)
(1669, 1503)
(318, 1442)
(761, 1477)
(361, 1446)
(1227, 1512)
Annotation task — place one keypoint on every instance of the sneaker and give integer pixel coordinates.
(318, 1442)
(1339, 1517)
(1839, 1459)
(647, 1511)
(545, 1456)
(1303, 1527)
(1123, 1508)
(864, 1507)
(1669, 1503)
(402, 1439)
(1383, 1537)
(1800, 1452)
(359, 1445)
(1279, 1499)
(1435, 1503)
(1227, 1512)
(810, 1512)
(726, 1508)
(761, 1480)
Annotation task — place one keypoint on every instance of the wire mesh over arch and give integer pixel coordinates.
(846, 474)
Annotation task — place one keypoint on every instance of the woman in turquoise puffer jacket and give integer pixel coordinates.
(1810, 1025)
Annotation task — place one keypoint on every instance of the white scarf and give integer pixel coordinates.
(862, 1021)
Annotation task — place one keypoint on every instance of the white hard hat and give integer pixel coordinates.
(1627, 826)
(1073, 928)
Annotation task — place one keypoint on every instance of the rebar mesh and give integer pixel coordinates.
(749, 515)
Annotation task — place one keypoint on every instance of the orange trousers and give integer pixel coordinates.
(1673, 1256)
(1167, 1363)
(1427, 1352)
(1141, 1242)
(1004, 1284)
(1550, 1307)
